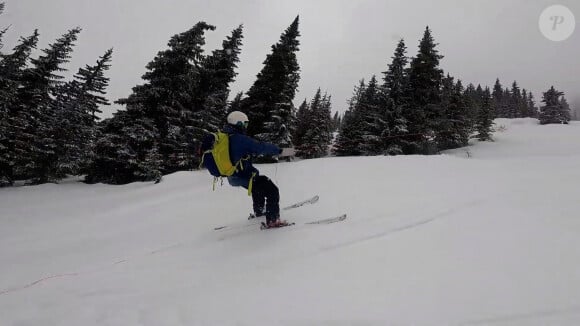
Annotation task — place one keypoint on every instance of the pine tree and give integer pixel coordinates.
(565, 109)
(324, 136)
(12, 67)
(185, 96)
(553, 110)
(454, 127)
(126, 151)
(498, 100)
(484, 123)
(171, 96)
(395, 78)
(423, 112)
(269, 101)
(302, 123)
(516, 100)
(393, 101)
(395, 136)
(35, 116)
(473, 111)
(532, 110)
(169, 99)
(473, 98)
(76, 105)
(11, 70)
(218, 71)
(524, 104)
(507, 103)
(374, 120)
(350, 135)
(315, 125)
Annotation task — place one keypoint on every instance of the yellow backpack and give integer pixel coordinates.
(216, 159)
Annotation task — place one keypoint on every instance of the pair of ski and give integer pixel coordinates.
(308, 201)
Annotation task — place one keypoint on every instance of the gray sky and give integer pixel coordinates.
(342, 40)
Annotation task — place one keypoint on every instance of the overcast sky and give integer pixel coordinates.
(342, 41)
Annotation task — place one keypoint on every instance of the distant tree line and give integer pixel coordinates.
(50, 128)
(416, 109)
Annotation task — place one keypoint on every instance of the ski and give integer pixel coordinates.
(308, 201)
(302, 203)
(329, 220)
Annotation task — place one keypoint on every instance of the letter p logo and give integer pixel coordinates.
(557, 23)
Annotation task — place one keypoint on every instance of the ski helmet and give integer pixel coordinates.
(238, 119)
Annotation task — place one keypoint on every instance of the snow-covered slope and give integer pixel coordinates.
(484, 235)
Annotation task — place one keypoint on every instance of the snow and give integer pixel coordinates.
(485, 235)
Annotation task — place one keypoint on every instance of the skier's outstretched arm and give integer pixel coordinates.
(254, 147)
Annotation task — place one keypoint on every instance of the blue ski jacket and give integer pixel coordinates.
(243, 147)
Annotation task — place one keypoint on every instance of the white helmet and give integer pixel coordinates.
(237, 118)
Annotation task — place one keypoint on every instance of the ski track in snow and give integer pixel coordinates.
(44, 279)
(530, 316)
(68, 275)
(357, 241)
(406, 227)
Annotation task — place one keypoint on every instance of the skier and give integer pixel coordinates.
(265, 194)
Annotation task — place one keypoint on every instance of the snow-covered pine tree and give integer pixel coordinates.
(454, 127)
(269, 101)
(374, 120)
(350, 134)
(515, 101)
(217, 72)
(484, 123)
(533, 111)
(395, 78)
(498, 100)
(565, 109)
(395, 82)
(302, 124)
(507, 103)
(76, 105)
(473, 111)
(524, 104)
(326, 123)
(11, 69)
(473, 98)
(169, 98)
(35, 117)
(126, 150)
(423, 112)
(553, 111)
(315, 126)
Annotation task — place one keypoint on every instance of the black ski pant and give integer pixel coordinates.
(265, 195)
